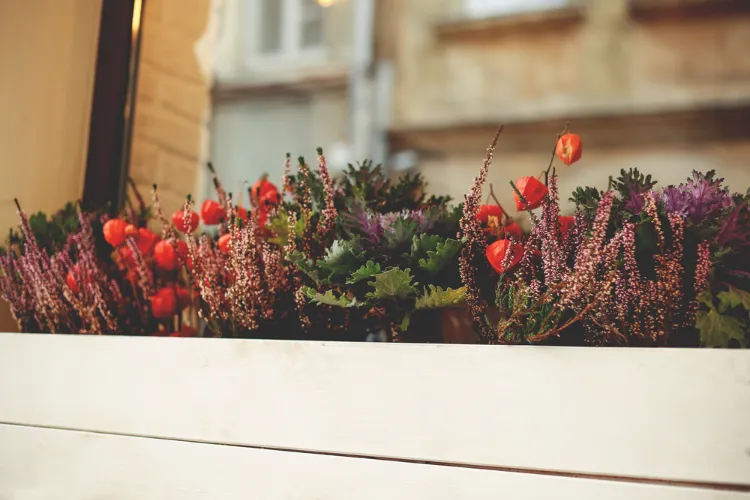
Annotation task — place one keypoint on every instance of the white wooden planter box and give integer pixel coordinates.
(127, 418)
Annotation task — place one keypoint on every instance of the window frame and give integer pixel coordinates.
(472, 10)
(291, 53)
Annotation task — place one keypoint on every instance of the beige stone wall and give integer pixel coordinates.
(595, 58)
(173, 100)
(47, 55)
(645, 87)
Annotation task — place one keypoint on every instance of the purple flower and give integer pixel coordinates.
(702, 197)
(634, 201)
(676, 200)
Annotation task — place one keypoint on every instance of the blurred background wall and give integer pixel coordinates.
(663, 85)
(47, 59)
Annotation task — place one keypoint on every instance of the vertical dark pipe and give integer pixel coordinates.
(113, 104)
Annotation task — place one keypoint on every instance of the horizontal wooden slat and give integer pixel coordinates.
(49, 464)
(651, 413)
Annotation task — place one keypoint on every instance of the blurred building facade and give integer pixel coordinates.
(282, 74)
(662, 85)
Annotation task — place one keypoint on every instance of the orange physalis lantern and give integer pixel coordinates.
(569, 148)
(532, 190)
(497, 251)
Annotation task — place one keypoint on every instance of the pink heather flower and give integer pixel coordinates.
(553, 257)
(473, 250)
(305, 202)
(329, 213)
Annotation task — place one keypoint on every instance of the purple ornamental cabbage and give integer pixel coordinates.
(701, 198)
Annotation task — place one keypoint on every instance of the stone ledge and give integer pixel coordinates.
(669, 10)
(710, 122)
(467, 29)
(223, 92)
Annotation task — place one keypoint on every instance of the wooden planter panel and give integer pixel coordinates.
(675, 421)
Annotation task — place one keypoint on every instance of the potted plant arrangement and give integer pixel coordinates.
(636, 265)
(330, 262)
(365, 258)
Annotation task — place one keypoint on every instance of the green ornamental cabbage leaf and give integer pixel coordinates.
(367, 271)
(400, 232)
(734, 297)
(393, 284)
(279, 226)
(437, 259)
(305, 265)
(329, 298)
(436, 297)
(717, 329)
(341, 259)
(422, 244)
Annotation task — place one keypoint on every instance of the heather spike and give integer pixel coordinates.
(329, 212)
(474, 245)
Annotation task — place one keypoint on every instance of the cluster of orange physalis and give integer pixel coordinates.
(533, 192)
(264, 197)
(168, 300)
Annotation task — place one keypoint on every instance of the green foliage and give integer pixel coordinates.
(400, 233)
(407, 194)
(393, 285)
(51, 232)
(389, 237)
(367, 185)
(729, 322)
(279, 226)
(632, 182)
(444, 253)
(421, 245)
(305, 265)
(341, 259)
(436, 297)
(734, 297)
(718, 330)
(367, 271)
(328, 298)
(522, 316)
(587, 200)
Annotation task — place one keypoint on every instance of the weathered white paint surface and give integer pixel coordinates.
(653, 414)
(49, 464)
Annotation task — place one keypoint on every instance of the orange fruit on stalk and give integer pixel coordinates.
(131, 231)
(513, 230)
(498, 250)
(146, 240)
(533, 190)
(566, 223)
(185, 225)
(263, 189)
(114, 232)
(569, 148)
(485, 211)
(164, 304)
(224, 240)
(212, 213)
(166, 257)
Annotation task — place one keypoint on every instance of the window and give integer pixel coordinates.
(488, 8)
(284, 29)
